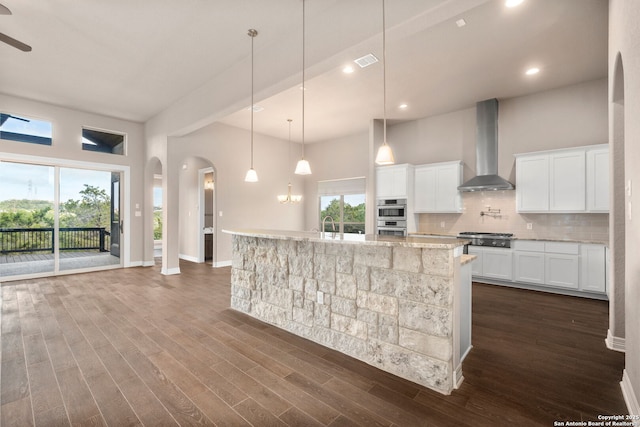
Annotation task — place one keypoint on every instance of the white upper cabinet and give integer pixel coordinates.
(393, 182)
(436, 187)
(569, 180)
(598, 180)
(532, 183)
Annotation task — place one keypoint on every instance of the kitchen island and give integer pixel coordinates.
(401, 304)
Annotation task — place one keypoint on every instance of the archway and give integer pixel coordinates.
(154, 195)
(197, 206)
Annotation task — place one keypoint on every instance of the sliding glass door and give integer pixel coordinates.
(86, 233)
(55, 219)
(27, 218)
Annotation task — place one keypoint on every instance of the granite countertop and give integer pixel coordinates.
(366, 239)
(465, 259)
(444, 235)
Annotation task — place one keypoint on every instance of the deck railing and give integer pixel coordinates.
(43, 239)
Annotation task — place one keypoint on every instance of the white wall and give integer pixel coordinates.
(346, 157)
(67, 145)
(624, 39)
(243, 205)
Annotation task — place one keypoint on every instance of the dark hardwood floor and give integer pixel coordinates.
(133, 347)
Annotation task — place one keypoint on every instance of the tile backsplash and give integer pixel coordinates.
(582, 227)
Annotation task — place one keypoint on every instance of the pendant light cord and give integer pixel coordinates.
(253, 34)
(303, 63)
(384, 78)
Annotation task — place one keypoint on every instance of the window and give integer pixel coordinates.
(344, 201)
(25, 129)
(102, 141)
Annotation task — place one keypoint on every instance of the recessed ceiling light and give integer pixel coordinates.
(366, 60)
(531, 71)
(256, 108)
(461, 23)
(348, 69)
(513, 3)
(403, 106)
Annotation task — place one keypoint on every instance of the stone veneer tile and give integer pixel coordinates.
(301, 265)
(373, 256)
(269, 274)
(425, 318)
(349, 326)
(346, 285)
(434, 290)
(310, 289)
(388, 328)
(379, 303)
(410, 365)
(385, 282)
(240, 292)
(361, 273)
(343, 306)
(437, 262)
(327, 287)
(322, 315)
(303, 316)
(243, 278)
(324, 267)
(407, 259)
(277, 296)
(287, 247)
(271, 313)
(438, 347)
(296, 283)
(298, 299)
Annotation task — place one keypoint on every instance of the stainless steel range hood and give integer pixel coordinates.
(486, 150)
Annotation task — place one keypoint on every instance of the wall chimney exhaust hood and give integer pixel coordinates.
(486, 150)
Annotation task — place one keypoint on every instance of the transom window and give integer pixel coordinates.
(25, 129)
(103, 141)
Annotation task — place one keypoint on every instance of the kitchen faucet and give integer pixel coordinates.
(333, 224)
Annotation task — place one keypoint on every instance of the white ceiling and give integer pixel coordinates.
(134, 59)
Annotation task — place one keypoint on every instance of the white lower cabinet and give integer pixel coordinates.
(496, 263)
(578, 267)
(529, 267)
(561, 270)
(593, 272)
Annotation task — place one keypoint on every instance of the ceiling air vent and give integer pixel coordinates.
(366, 60)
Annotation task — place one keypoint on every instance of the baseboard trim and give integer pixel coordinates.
(170, 271)
(629, 395)
(188, 258)
(457, 377)
(222, 264)
(615, 343)
(134, 264)
(148, 263)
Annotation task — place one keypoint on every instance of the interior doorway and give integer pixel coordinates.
(207, 218)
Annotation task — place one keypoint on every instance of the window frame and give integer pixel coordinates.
(124, 135)
(46, 141)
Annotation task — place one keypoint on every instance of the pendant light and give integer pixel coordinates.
(385, 155)
(251, 175)
(289, 198)
(303, 167)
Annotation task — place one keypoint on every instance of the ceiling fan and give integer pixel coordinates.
(10, 40)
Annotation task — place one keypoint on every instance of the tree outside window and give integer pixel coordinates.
(348, 212)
